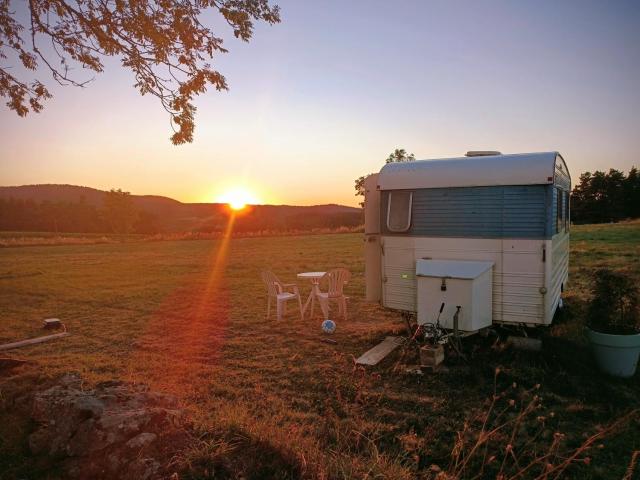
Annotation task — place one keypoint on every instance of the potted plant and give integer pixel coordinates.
(613, 320)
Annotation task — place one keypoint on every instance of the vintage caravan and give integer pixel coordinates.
(486, 235)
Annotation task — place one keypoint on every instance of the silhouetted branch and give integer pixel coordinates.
(166, 46)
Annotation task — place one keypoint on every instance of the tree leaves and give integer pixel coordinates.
(606, 197)
(163, 42)
(398, 155)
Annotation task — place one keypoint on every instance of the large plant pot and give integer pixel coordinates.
(615, 355)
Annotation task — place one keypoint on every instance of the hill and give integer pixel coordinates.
(71, 208)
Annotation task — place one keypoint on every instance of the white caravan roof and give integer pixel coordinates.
(512, 169)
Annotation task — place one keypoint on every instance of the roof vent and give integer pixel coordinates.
(481, 153)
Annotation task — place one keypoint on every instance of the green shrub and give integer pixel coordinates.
(614, 305)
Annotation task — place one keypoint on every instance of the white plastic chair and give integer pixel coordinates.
(282, 292)
(336, 280)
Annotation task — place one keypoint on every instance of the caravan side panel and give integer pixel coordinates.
(558, 272)
(518, 272)
(558, 226)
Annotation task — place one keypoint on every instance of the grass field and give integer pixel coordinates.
(268, 399)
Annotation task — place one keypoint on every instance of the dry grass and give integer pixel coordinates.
(269, 399)
(33, 239)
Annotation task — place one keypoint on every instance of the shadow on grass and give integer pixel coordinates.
(236, 454)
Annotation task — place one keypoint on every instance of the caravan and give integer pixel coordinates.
(487, 235)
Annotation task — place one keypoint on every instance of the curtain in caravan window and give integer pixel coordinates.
(399, 211)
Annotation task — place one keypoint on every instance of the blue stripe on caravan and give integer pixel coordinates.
(484, 212)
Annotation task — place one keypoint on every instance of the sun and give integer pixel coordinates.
(238, 198)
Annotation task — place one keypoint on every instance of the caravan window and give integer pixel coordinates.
(399, 211)
(567, 218)
(559, 195)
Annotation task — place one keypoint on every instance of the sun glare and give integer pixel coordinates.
(238, 198)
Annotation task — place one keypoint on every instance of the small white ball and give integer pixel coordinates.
(328, 326)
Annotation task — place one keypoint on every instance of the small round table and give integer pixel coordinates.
(314, 277)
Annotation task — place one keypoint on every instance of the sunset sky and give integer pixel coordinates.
(326, 95)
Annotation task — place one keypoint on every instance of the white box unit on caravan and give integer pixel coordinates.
(456, 283)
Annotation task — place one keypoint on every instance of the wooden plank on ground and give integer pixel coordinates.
(377, 353)
(32, 341)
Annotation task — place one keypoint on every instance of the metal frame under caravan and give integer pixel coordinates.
(435, 228)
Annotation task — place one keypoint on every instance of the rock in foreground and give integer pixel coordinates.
(117, 430)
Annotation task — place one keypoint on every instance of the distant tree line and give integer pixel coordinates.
(606, 197)
(117, 215)
(254, 221)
